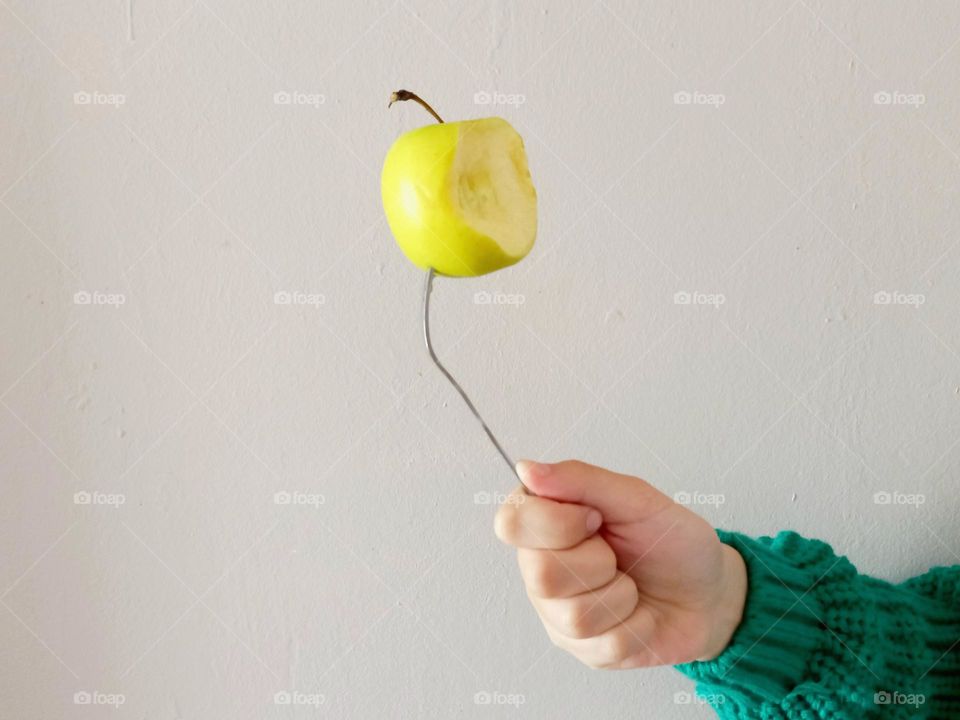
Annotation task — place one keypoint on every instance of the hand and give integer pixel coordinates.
(620, 574)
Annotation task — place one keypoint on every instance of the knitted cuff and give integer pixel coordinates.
(772, 647)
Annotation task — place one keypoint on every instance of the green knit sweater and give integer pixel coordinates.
(819, 640)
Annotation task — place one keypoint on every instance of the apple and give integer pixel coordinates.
(458, 196)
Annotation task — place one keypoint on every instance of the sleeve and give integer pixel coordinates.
(819, 640)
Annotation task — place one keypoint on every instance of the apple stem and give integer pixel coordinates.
(401, 95)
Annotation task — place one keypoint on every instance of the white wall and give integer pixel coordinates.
(198, 198)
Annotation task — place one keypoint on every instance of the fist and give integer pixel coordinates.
(620, 575)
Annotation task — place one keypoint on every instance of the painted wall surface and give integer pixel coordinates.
(229, 470)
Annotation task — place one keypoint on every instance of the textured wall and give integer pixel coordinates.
(781, 163)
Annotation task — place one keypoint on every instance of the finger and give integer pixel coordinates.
(591, 613)
(534, 522)
(627, 641)
(620, 498)
(562, 573)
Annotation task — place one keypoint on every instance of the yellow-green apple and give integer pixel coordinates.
(458, 196)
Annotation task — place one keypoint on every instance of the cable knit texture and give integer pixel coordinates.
(819, 640)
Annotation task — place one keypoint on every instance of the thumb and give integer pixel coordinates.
(619, 498)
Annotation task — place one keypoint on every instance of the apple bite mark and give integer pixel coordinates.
(493, 188)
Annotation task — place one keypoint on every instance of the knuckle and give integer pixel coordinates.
(615, 648)
(540, 576)
(607, 560)
(576, 620)
(591, 660)
(571, 464)
(632, 592)
(506, 523)
(554, 638)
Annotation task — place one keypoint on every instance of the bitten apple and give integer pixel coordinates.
(458, 196)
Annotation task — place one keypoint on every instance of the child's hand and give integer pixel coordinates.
(654, 586)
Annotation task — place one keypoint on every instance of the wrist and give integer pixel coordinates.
(727, 610)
